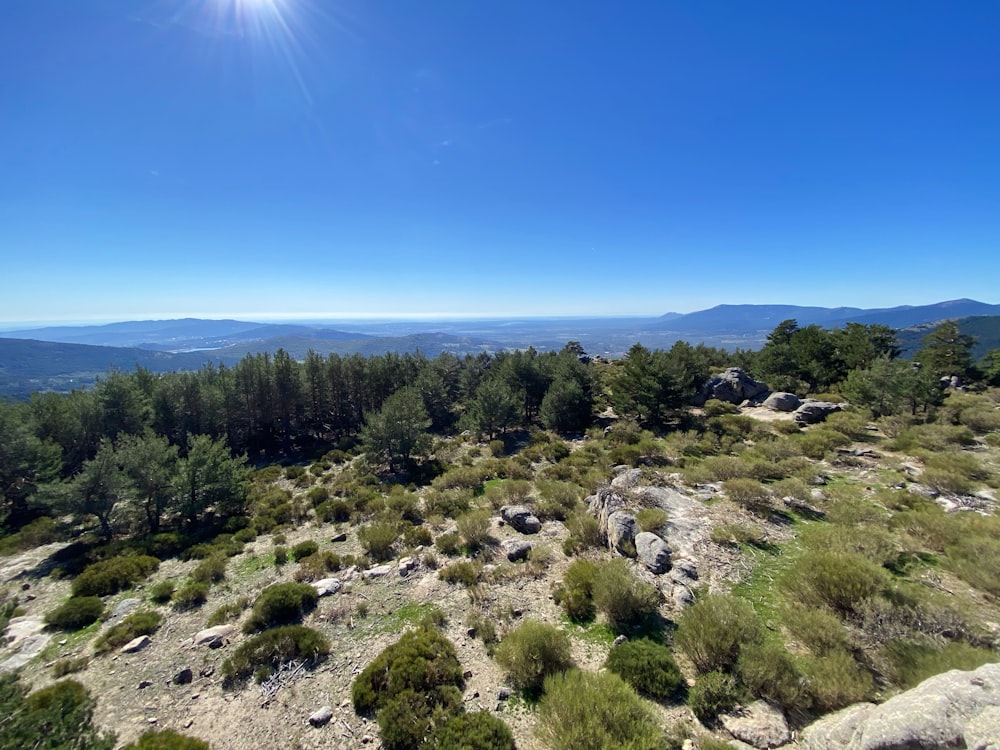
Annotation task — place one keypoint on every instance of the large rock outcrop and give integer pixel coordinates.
(652, 552)
(950, 710)
(760, 725)
(621, 532)
(733, 386)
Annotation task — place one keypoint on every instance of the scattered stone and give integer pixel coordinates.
(214, 636)
(922, 490)
(467, 674)
(341, 537)
(812, 411)
(151, 720)
(136, 644)
(682, 596)
(782, 401)
(144, 684)
(521, 519)
(516, 549)
(733, 386)
(321, 716)
(760, 724)
(183, 677)
(407, 565)
(652, 552)
(326, 586)
(621, 532)
(379, 571)
(122, 610)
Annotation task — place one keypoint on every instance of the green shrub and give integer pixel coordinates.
(912, 663)
(623, 599)
(75, 613)
(162, 591)
(474, 527)
(838, 581)
(417, 536)
(769, 672)
(111, 576)
(749, 494)
(448, 543)
(281, 604)
(459, 572)
(734, 534)
(294, 472)
(817, 443)
(245, 536)
(56, 717)
(336, 511)
(167, 739)
(264, 653)
(651, 519)
(303, 549)
(576, 593)
(280, 556)
(585, 532)
(595, 711)
(713, 629)
(210, 570)
(317, 566)
(478, 730)
(714, 693)
(190, 595)
(136, 624)
(64, 667)
(816, 629)
(976, 560)
(835, 680)
(318, 495)
(228, 612)
(647, 666)
(447, 503)
(377, 539)
(531, 652)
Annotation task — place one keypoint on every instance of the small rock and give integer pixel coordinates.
(144, 684)
(188, 723)
(467, 674)
(321, 716)
(123, 608)
(326, 586)
(183, 677)
(504, 693)
(379, 571)
(515, 549)
(620, 640)
(136, 644)
(213, 636)
(521, 518)
(341, 537)
(151, 720)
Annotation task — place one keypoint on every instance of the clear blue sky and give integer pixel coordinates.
(265, 157)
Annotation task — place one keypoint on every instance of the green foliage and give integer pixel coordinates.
(584, 532)
(714, 693)
(448, 543)
(647, 666)
(734, 534)
(576, 594)
(651, 519)
(75, 613)
(398, 431)
(64, 667)
(836, 680)
(378, 539)
(595, 711)
(623, 599)
(769, 672)
(748, 493)
(227, 612)
(474, 527)
(818, 442)
(111, 576)
(162, 591)
(838, 581)
(912, 663)
(136, 624)
(817, 629)
(56, 717)
(531, 652)
(280, 555)
(478, 730)
(265, 652)
(281, 604)
(303, 549)
(712, 631)
(190, 595)
(210, 570)
(459, 572)
(167, 739)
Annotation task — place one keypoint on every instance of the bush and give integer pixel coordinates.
(912, 663)
(111, 576)
(712, 630)
(75, 613)
(769, 672)
(245, 536)
(836, 680)
(161, 592)
(816, 629)
(647, 666)
(210, 570)
(651, 519)
(817, 443)
(167, 739)
(417, 536)
(478, 730)
(136, 624)
(713, 694)
(280, 555)
(64, 667)
(585, 532)
(303, 549)
(447, 543)
(55, 717)
(228, 612)
(191, 595)
(337, 511)
(377, 539)
(837, 581)
(749, 494)
(460, 572)
(474, 528)
(265, 652)
(532, 652)
(622, 598)
(735, 534)
(281, 604)
(317, 566)
(576, 594)
(595, 711)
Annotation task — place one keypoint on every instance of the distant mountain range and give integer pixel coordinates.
(64, 357)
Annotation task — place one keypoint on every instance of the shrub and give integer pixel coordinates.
(336, 511)
(912, 663)
(64, 667)
(245, 536)
(210, 570)
(162, 591)
(265, 652)
(838, 581)
(748, 493)
(478, 730)
(817, 443)
(318, 495)
(377, 539)
(460, 572)
(651, 519)
(417, 536)
(448, 543)
(111, 576)
(303, 549)
(532, 652)
(474, 528)
(576, 594)
(816, 629)
(769, 672)
(136, 624)
(75, 613)
(191, 595)
(647, 666)
(712, 694)
(836, 680)
(622, 598)
(317, 566)
(281, 604)
(585, 532)
(228, 612)
(55, 717)
(595, 711)
(167, 739)
(712, 630)
(734, 534)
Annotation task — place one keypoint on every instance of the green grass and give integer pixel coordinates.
(760, 588)
(410, 613)
(595, 633)
(52, 651)
(254, 564)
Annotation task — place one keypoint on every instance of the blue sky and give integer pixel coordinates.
(263, 158)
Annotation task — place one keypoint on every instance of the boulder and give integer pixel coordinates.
(379, 571)
(326, 586)
(652, 552)
(136, 644)
(321, 716)
(213, 635)
(603, 504)
(516, 549)
(733, 386)
(938, 713)
(521, 519)
(627, 479)
(782, 401)
(621, 532)
(121, 610)
(406, 566)
(813, 412)
(760, 724)
(184, 677)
